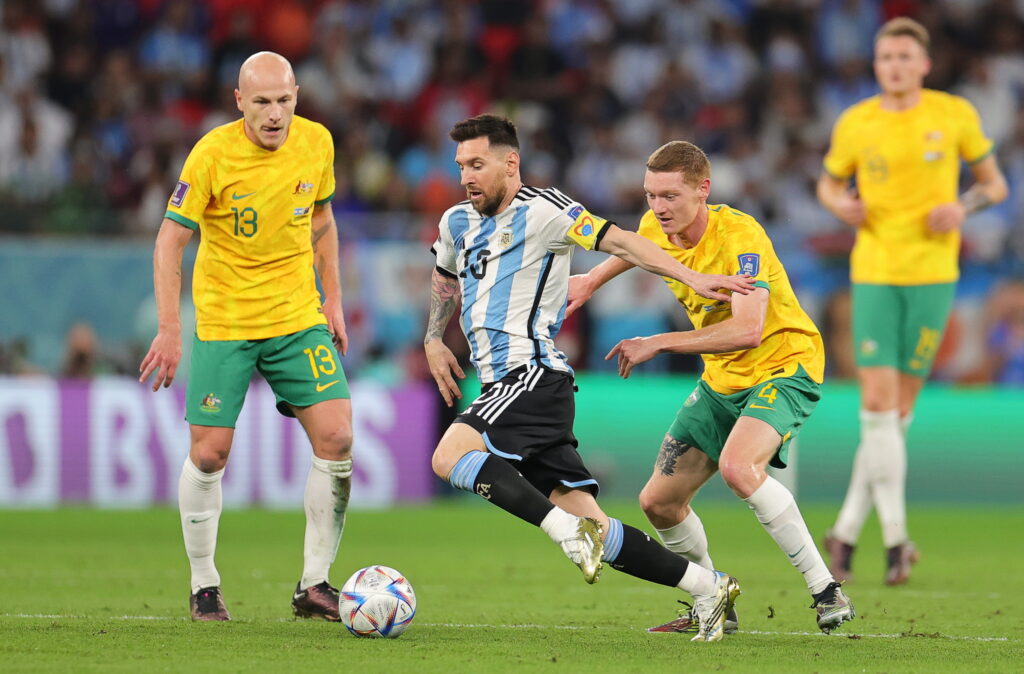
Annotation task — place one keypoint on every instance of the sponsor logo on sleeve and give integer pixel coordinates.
(300, 212)
(575, 211)
(178, 195)
(750, 263)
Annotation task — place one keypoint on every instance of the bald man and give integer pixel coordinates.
(260, 189)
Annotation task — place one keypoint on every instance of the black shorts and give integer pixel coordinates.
(526, 418)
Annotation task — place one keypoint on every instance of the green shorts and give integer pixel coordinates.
(302, 368)
(707, 417)
(900, 326)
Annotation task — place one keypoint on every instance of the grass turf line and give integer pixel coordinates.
(118, 582)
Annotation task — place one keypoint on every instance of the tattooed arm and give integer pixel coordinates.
(325, 260)
(988, 189)
(444, 298)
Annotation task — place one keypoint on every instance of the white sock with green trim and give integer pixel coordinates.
(887, 468)
(326, 501)
(778, 513)
(688, 539)
(199, 502)
(859, 500)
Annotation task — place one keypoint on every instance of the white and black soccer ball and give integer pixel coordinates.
(377, 602)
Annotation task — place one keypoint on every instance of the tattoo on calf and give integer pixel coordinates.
(671, 449)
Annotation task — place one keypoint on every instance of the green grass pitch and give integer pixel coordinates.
(88, 590)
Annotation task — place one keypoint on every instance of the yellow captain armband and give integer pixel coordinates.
(586, 229)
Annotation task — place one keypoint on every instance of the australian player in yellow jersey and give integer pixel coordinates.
(259, 190)
(903, 148)
(763, 363)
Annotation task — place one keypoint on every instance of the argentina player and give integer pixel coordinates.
(506, 252)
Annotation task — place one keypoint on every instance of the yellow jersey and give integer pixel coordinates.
(254, 275)
(735, 243)
(906, 163)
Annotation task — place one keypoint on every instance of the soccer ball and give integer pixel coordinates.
(377, 602)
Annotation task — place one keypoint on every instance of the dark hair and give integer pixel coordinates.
(499, 130)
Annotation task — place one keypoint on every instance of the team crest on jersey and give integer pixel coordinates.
(750, 263)
(211, 403)
(178, 195)
(303, 188)
(505, 238)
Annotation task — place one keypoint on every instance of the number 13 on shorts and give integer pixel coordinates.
(321, 361)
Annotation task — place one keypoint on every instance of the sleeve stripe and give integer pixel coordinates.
(984, 155)
(321, 202)
(444, 272)
(181, 220)
(558, 197)
(762, 284)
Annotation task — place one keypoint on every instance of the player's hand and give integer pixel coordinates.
(632, 352)
(163, 358)
(580, 291)
(946, 217)
(711, 286)
(336, 326)
(443, 364)
(850, 209)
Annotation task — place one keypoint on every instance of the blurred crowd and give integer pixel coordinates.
(102, 100)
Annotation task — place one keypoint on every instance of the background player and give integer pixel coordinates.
(506, 252)
(259, 189)
(763, 363)
(904, 148)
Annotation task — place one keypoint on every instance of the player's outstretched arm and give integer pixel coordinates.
(444, 298)
(988, 189)
(165, 352)
(582, 286)
(325, 259)
(743, 331)
(636, 250)
(835, 195)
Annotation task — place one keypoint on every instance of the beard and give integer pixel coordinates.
(489, 207)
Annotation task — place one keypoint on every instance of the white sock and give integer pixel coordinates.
(559, 524)
(199, 502)
(778, 513)
(326, 500)
(698, 580)
(887, 469)
(905, 422)
(858, 502)
(688, 539)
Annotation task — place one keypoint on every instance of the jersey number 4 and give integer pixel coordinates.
(479, 268)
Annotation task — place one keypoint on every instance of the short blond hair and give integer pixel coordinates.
(682, 156)
(904, 26)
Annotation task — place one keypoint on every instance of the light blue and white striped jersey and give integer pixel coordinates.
(514, 272)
